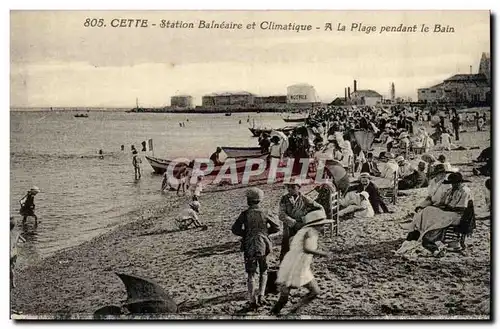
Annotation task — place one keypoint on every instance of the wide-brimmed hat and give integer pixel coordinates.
(455, 178)
(255, 194)
(317, 217)
(439, 169)
(35, 189)
(400, 158)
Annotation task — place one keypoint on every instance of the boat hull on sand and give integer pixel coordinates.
(241, 152)
(160, 165)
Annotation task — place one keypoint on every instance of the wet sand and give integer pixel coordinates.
(204, 269)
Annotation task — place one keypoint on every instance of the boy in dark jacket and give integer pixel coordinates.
(254, 225)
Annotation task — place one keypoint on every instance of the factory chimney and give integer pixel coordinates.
(355, 85)
(349, 92)
(345, 93)
(471, 69)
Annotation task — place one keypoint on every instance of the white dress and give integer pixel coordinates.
(295, 269)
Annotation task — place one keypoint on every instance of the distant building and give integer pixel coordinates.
(339, 101)
(280, 99)
(302, 94)
(462, 88)
(485, 66)
(365, 97)
(181, 101)
(241, 98)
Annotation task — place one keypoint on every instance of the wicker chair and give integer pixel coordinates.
(458, 233)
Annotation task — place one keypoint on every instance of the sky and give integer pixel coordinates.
(56, 61)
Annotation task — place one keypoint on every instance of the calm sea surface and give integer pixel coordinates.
(83, 196)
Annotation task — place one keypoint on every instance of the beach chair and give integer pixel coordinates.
(391, 193)
(456, 234)
(334, 227)
(351, 165)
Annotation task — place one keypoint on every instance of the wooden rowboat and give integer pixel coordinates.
(241, 152)
(160, 165)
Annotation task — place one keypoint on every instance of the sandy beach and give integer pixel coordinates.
(204, 269)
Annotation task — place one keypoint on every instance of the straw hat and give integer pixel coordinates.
(35, 189)
(365, 175)
(315, 218)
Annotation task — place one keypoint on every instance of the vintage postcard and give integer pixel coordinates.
(250, 165)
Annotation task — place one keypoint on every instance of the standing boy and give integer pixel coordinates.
(254, 225)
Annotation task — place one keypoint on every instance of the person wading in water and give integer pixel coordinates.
(28, 206)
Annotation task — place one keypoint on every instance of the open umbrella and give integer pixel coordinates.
(143, 297)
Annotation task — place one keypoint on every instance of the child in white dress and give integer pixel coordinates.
(295, 269)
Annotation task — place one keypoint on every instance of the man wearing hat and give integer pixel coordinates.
(405, 168)
(293, 207)
(28, 206)
(454, 208)
(215, 157)
(417, 179)
(370, 166)
(254, 226)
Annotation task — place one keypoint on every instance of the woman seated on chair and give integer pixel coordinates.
(430, 223)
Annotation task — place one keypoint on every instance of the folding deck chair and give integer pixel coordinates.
(391, 193)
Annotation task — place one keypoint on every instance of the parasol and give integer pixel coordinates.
(364, 139)
(143, 296)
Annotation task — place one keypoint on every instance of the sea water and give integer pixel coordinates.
(83, 196)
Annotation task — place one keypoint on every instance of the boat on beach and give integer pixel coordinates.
(256, 132)
(241, 152)
(160, 165)
(228, 114)
(294, 119)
